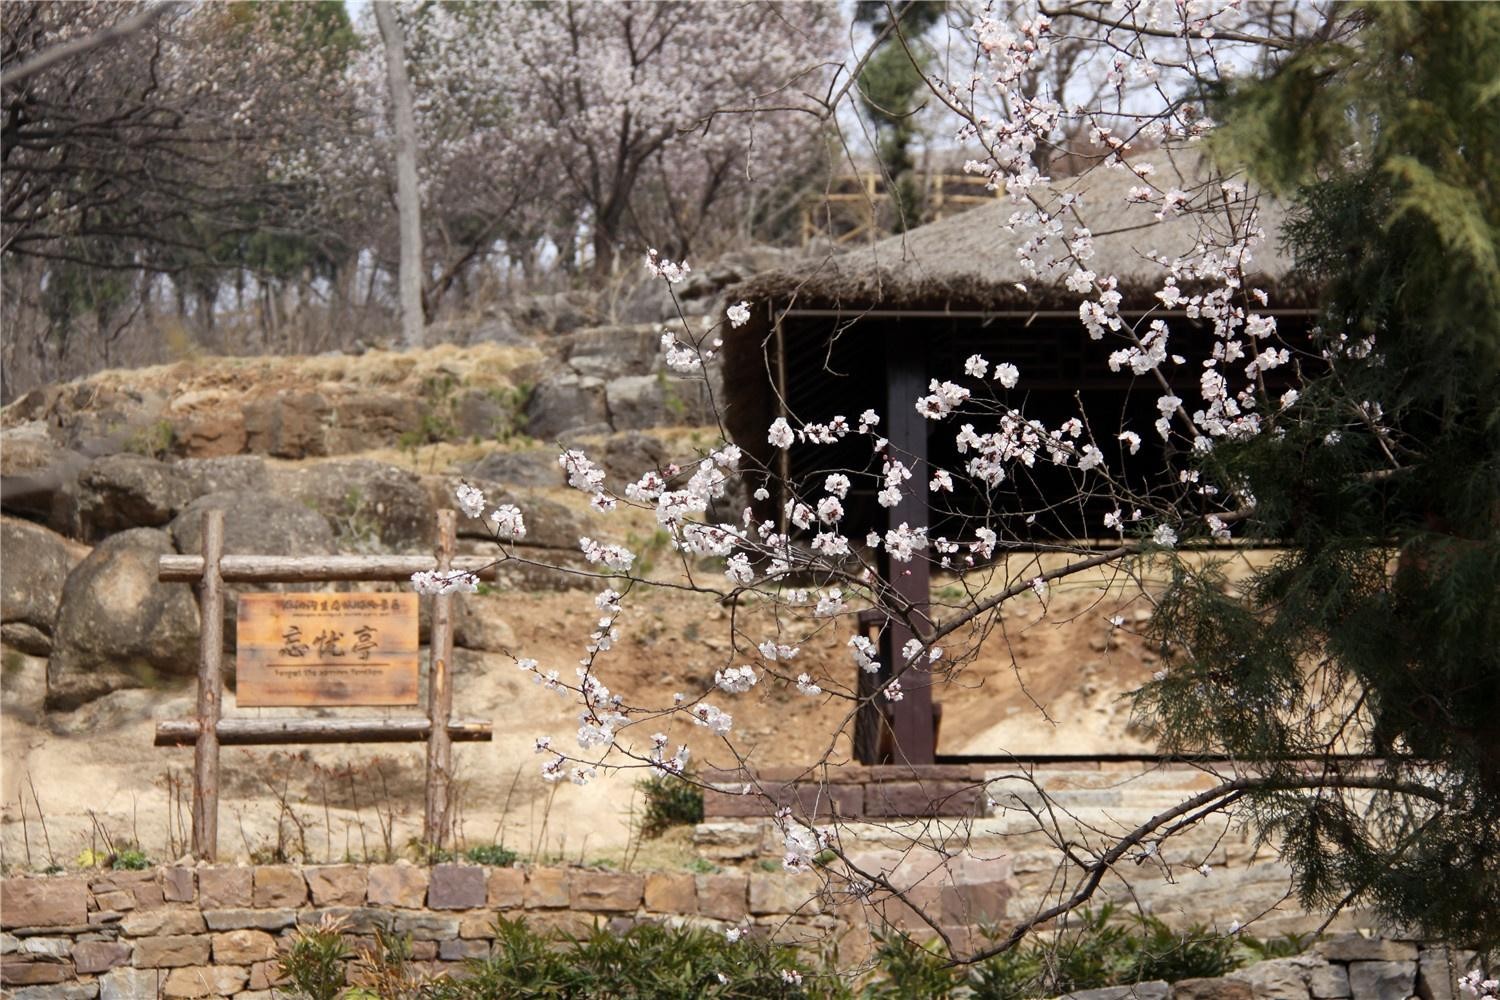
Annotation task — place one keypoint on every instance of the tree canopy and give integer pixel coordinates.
(1376, 629)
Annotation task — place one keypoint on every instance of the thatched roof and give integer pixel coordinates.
(969, 261)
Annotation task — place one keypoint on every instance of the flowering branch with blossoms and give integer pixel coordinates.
(804, 569)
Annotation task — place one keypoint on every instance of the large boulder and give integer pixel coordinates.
(36, 567)
(119, 492)
(255, 524)
(630, 455)
(639, 401)
(38, 477)
(118, 626)
(287, 425)
(373, 507)
(549, 524)
(565, 403)
(513, 469)
(361, 420)
(611, 351)
(239, 473)
(207, 431)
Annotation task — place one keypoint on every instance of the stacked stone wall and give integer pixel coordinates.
(218, 931)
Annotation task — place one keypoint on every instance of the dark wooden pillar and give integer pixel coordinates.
(905, 382)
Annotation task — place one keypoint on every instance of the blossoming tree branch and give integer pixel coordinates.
(1158, 165)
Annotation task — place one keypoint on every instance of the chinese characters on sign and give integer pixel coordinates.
(327, 649)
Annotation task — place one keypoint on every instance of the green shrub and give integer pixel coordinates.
(648, 961)
(491, 854)
(1282, 946)
(1096, 951)
(670, 801)
(314, 965)
(130, 859)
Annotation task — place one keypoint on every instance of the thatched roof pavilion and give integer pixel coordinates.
(868, 328)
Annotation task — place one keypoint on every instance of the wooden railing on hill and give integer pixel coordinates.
(861, 206)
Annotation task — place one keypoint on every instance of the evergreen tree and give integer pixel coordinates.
(1375, 630)
(889, 87)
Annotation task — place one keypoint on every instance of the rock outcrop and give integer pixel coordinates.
(117, 625)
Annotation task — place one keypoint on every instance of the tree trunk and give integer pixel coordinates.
(408, 198)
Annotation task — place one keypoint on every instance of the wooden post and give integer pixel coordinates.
(440, 693)
(210, 691)
(905, 382)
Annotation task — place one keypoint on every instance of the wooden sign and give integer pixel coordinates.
(326, 649)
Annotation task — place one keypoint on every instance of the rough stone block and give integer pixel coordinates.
(208, 981)
(119, 899)
(243, 947)
(144, 886)
(457, 887)
(130, 984)
(170, 951)
(1156, 990)
(279, 885)
(427, 927)
(50, 947)
(361, 920)
(506, 888)
(460, 950)
(1211, 989)
(163, 920)
(1284, 978)
(723, 897)
(1358, 948)
(225, 888)
(1328, 982)
(93, 957)
(13, 973)
(671, 892)
(1437, 973)
(609, 892)
(783, 893)
(974, 903)
(9, 944)
(43, 902)
(233, 920)
(264, 975)
(336, 885)
(177, 885)
(546, 888)
(477, 925)
(397, 885)
(1382, 980)
(424, 951)
(921, 798)
(60, 991)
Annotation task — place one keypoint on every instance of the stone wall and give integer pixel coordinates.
(1347, 967)
(218, 930)
(974, 842)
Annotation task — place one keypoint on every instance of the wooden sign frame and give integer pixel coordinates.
(208, 730)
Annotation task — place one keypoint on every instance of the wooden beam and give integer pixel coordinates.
(906, 382)
(440, 693)
(315, 569)
(210, 691)
(274, 731)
